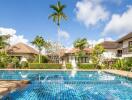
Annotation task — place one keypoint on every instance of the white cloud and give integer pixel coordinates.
(94, 42)
(7, 31)
(120, 24)
(63, 34)
(18, 38)
(14, 38)
(90, 12)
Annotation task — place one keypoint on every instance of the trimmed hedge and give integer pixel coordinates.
(68, 66)
(86, 66)
(44, 66)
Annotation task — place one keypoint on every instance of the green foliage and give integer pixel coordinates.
(123, 64)
(39, 42)
(86, 66)
(80, 53)
(129, 61)
(3, 41)
(4, 59)
(2, 65)
(96, 54)
(80, 43)
(15, 61)
(119, 64)
(24, 64)
(44, 66)
(58, 13)
(43, 59)
(68, 66)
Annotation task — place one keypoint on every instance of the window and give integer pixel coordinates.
(130, 46)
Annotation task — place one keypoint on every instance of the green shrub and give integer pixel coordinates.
(24, 64)
(4, 59)
(123, 64)
(15, 61)
(68, 66)
(44, 66)
(119, 64)
(2, 65)
(128, 64)
(43, 59)
(86, 66)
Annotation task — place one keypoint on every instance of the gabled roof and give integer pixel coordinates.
(128, 36)
(110, 45)
(22, 48)
(74, 50)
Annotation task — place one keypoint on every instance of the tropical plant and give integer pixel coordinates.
(24, 64)
(80, 44)
(97, 54)
(40, 43)
(15, 61)
(3, 41)
(58, 14)
(123, 64)
(43, 59)
(4, 59)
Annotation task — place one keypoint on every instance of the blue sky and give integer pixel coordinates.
(96, 20)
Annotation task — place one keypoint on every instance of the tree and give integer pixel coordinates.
(58, 14)
(3, 41)
(39, 42)
(97, 54)
(80, 44)
(4, 58)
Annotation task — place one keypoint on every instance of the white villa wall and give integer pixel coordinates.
(125, 45)
(110, 53)
(127, 55)
(126, 42)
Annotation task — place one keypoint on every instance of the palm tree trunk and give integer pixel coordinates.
(58, 30)
(39, 56)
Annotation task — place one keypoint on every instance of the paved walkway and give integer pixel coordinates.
(8, 86)
(120, 72)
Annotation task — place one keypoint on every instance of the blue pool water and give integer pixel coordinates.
(66, 85)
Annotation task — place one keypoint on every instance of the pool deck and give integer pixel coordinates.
(7, 86)
(119, 72)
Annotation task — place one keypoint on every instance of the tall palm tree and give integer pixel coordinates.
(39, 42)
(3, 41)
(80, 43)
(58, 14)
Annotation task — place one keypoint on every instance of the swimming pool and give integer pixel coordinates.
(69, 85)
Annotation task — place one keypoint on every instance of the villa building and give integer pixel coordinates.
(118, 49)
(22, 50)
(69, 55)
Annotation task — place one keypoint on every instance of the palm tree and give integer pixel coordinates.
(58, 14)
(39, 42)
(3, 41)
(80, 43)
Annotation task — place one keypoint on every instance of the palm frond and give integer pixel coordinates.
(58, 15)
(54, 7)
